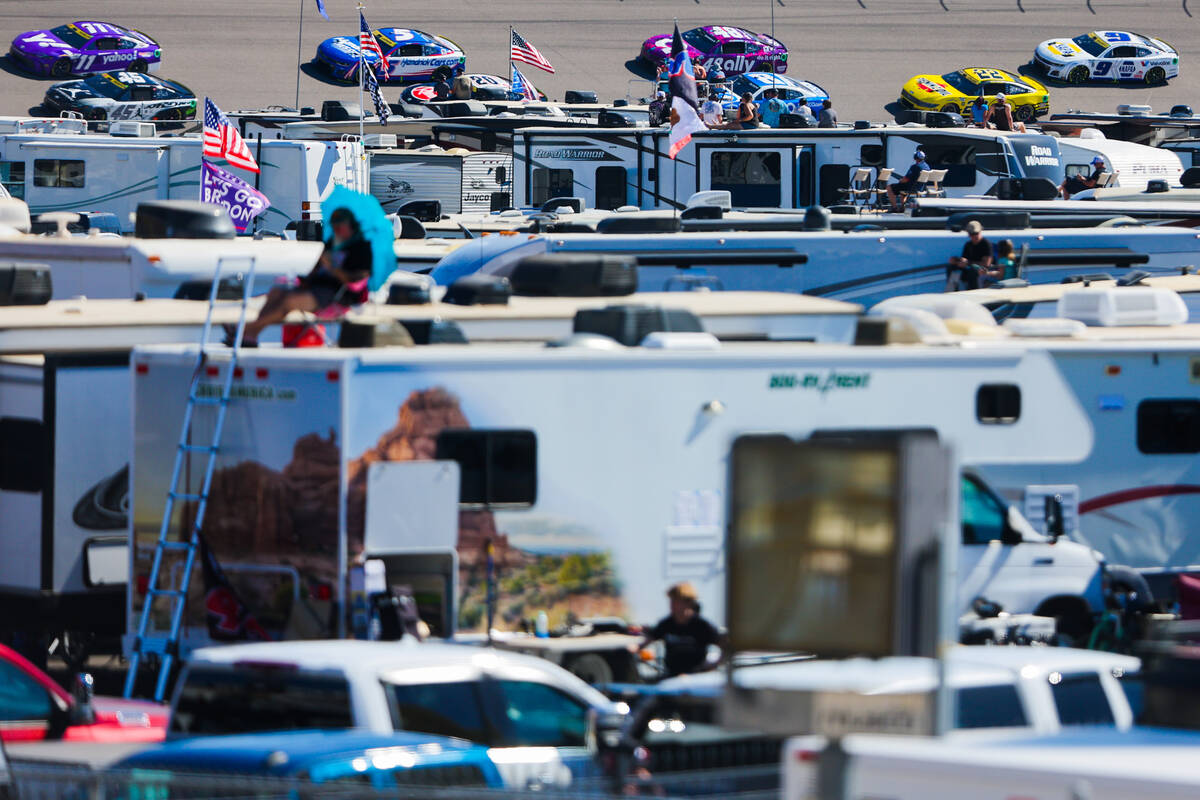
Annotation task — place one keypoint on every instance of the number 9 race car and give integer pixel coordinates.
(733, 50)
(955, 91)
(83, 48)
(1108, 56)
(122, 95)
(412, 55)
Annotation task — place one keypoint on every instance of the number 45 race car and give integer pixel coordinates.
(1108, 56)
(123, 95)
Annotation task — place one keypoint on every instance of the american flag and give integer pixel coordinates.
(367, 43)
(222, 140)
(372, 86)
(521, 86)
(524, 51)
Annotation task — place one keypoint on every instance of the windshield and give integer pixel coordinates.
(217, 701)
(1089, 45)
(71, 35)
(956, 80)
(989, 707)
(105, 85)
(743, 85)
(699, 39)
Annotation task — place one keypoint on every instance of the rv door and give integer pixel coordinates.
(758, 177)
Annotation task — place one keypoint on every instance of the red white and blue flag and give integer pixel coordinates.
(367, 43)
(523, 51)
(222, 140)
(522, 87)
(685, 103)
(321, 9)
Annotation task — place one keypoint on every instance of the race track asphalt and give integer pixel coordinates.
(243, 52)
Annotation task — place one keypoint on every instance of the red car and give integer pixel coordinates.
(34, 707)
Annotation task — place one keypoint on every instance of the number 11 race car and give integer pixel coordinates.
(123, 95)
(1108, 56)
(83, 48)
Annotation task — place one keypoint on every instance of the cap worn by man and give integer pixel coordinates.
(973, 227)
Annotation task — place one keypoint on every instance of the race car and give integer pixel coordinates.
(122, 95)
(734, 50)
(792, 91)
(84, 48)
(955, 91)
(1108, 56)
(412, 55)
(483, 87)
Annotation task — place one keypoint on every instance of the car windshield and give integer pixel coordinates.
(71, 35)
(1080, 699)
(105, 85)
(1087, 44)
(217, 701)
(956, 80)
(741, 85)
(699, 39)
(989, 707)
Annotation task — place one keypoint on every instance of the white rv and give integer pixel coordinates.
(1132, 165)
(83, 172)
(458, 179)
(764, 168)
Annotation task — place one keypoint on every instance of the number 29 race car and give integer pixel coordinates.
(955, 91)
(733, 50)
(412, 55)
(1108, 56)
(83, 48)
(123, 95)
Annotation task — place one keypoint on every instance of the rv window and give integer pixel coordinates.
(957, 158)
(871, 155)
(610, 187)
(57, 173)
(1078, 170)
(1168, 426)
(250, 699)
(983, 515)
(998, 404)
(1080, 699)
(12, 175)
(750, 177)
(498, 467)
(22, 454)
(549, 183)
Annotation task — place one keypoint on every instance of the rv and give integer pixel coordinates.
(461, 181)
(74, 171)
(764, 168)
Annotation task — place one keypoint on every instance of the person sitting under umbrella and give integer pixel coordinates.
(340, 277)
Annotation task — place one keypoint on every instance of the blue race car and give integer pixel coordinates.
(412, 55)
(792, 91)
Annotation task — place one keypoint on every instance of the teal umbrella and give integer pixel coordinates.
(376, 229)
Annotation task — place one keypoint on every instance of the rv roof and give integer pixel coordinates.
(1050, 292)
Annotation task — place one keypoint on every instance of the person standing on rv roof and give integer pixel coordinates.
(828, 115)
(772, 108)
(908, 183)
(339, 279)
(1076, 184)
(963, 272)
(686, 636)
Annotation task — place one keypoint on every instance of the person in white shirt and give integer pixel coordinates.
(712, 112)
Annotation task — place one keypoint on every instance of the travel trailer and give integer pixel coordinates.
(461, 181)
(764, 168)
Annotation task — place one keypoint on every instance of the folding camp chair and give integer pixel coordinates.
(879, 190)
(859, 190)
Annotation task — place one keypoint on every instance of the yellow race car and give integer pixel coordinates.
(955, 91)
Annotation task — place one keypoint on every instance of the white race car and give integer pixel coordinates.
(1108, 56)
(122, 95)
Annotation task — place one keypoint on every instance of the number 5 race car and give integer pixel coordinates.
(955, 91)
(82, 48)
(123, 95)
(412, 55)
(733, 50)
(1108, 56)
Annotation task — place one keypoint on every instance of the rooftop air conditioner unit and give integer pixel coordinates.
(1134, 305)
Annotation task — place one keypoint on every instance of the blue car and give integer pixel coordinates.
(792, 91)
(412, 55)
(381, 760)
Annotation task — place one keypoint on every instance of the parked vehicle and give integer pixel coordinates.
(33, 707)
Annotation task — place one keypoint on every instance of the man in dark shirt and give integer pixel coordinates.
(909, 183)
(963, 271)
(829, 117)
(1076, 184)
(684, 633)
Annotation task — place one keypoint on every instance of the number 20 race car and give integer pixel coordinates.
(412, 55)
(1108, 56)
(123, 95)
(83, 48)
(733, 50)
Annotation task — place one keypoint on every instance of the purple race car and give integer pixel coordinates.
(82, 48)
(733, 50)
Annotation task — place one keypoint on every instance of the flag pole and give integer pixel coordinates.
(299, 50)
(674, 161)
(510, 61)
(362, 65)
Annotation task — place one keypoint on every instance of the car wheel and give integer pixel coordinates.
(1155, 76)
(591, 667)
(169, 113)
(1023, 113)
(138, 66)
(61, 68)
(1078, 74)
(951, 108)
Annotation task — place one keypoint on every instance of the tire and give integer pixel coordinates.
(1155, 76)
(139, 66)
(951, 108)
(169, 114)
(1073, 618)
(1023, 113)
(592, 668)
(1078, 75)
(95, 113)
(61, 68)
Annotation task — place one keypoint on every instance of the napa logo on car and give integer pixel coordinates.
(1127, 68)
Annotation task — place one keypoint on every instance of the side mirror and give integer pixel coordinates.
(1054, 517)
(82, 711)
